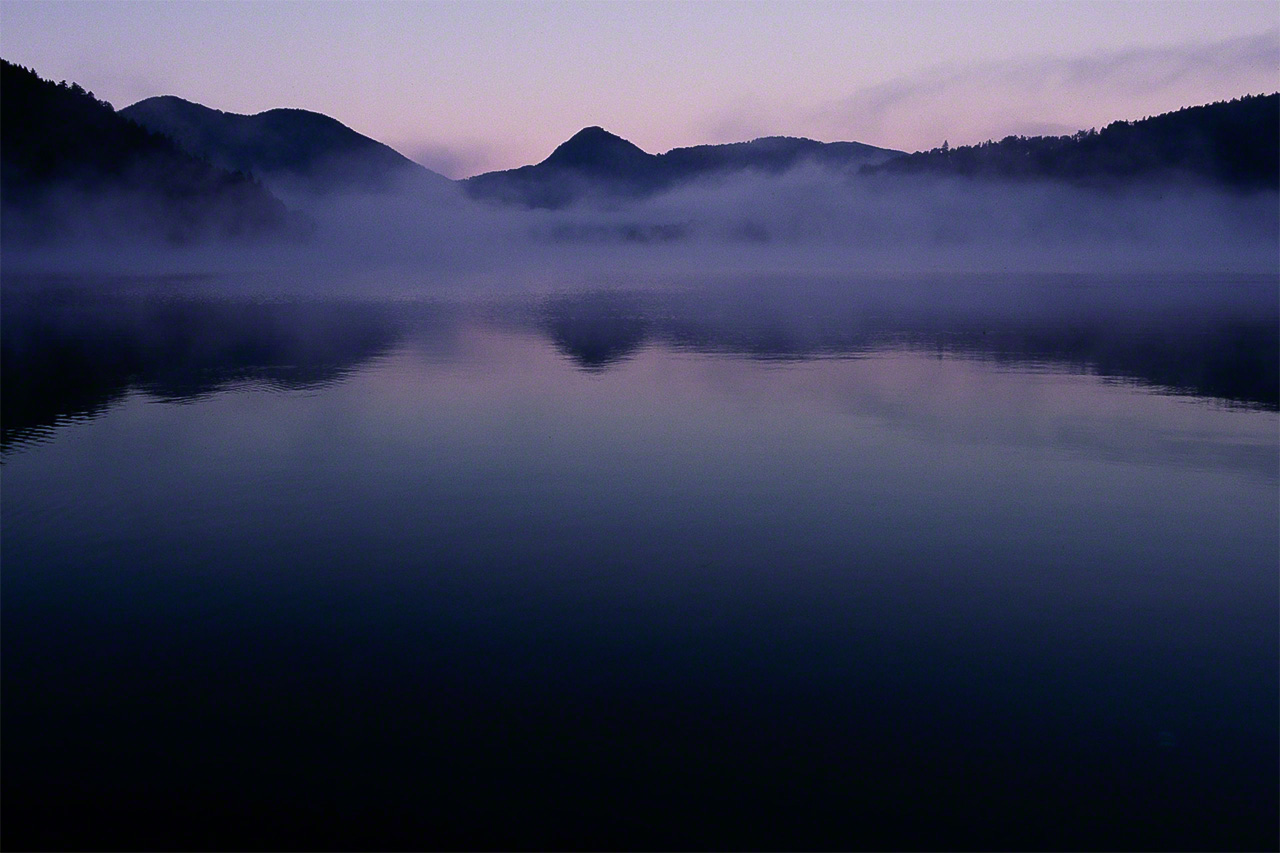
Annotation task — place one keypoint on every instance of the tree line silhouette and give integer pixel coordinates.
(1233, 143)
(61, 147)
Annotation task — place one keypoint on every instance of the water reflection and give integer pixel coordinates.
(875, 567)
(69, 352)
(1204, 337)
(597, 330)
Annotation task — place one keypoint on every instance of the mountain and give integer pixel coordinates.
(1229, 143)
(596, 163)
(288, 149)
(594, 150)
(71, 166)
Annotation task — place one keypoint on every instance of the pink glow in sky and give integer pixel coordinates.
(467, 87)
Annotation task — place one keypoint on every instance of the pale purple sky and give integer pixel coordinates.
(465, 87)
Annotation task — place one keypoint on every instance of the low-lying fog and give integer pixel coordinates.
(806, 220)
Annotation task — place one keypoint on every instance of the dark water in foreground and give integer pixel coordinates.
(823, 566)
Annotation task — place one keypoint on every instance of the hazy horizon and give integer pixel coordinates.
(499, 86)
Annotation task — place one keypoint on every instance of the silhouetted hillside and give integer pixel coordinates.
(595, 163)
(71, 166)
(309, 150)
(1232, 143)
(771, 154)
(596, 151)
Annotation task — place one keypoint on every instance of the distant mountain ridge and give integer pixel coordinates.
(595, 162)
(1234, 144)
(1230, 143)
(300, 148)
(188, 171)
(71, 166)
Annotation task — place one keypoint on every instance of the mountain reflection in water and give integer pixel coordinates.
(70, 351)
(762, 564)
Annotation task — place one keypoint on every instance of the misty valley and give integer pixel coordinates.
(779, 494)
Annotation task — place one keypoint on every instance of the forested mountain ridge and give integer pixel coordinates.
(1230, 143)
(310, 150)
(595, 162)
(1233, 144)
(70, 165)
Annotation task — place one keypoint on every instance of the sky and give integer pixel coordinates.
(466, 87)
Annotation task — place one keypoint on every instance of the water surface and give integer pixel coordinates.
(970, 563)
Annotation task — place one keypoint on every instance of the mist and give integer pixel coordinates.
(808, 219)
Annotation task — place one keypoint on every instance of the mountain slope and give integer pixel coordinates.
(770, 154)
(71, 166)
(294, 149)
(596, 163)
(596, 150)
(1229, 143)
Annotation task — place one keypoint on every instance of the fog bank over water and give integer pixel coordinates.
(807, 219)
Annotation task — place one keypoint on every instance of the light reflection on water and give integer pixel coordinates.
(643, 570)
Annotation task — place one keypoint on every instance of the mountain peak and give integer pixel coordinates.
(166, 104)
(595, 147)
(595, 131)
(283, 144)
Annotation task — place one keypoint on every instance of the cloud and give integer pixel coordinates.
(1043, 94)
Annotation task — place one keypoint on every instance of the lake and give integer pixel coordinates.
(763, 563)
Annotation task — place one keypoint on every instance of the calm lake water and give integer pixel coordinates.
(766, 564)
